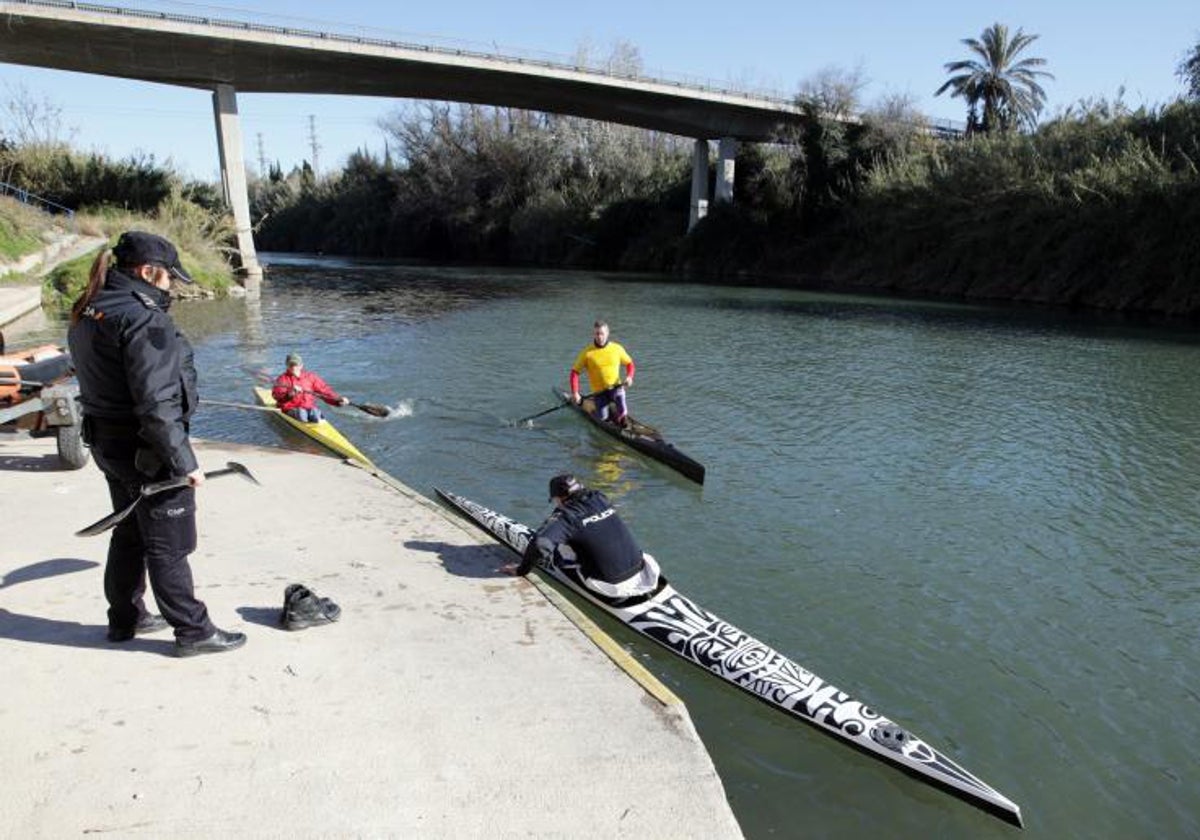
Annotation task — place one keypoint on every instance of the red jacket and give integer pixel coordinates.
(297, 391)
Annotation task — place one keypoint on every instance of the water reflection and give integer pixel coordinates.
(611, 476)
(386, 291)
(963, 316)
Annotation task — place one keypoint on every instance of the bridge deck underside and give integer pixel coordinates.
(202, 57)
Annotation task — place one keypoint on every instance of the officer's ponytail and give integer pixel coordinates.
(95, 283)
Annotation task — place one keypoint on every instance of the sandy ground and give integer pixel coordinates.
(449, 700)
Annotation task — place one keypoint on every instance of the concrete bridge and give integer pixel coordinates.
(229, 56)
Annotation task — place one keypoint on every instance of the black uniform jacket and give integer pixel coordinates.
(588, 523)
(135, 367)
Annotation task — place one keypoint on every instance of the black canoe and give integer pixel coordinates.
(645, 439)
(674, 621)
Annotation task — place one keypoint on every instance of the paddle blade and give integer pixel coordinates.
(234, 468)
(110, 521)
(373, 409)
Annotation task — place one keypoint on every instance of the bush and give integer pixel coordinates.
(1091, 210)
(78, 181)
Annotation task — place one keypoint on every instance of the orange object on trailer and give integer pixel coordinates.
(31, 369)
(38, 394)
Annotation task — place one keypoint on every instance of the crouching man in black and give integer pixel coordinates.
(585, 538)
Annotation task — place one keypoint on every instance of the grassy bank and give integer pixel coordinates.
(21, 229)
(110, 197)
(201, 256)
(24, 231)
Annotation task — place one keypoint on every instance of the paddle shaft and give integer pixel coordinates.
(245, 406)
(183, 481)
(263, 377)
(369, 408)
(570, 402)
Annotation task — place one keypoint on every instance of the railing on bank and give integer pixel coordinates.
(44, 204)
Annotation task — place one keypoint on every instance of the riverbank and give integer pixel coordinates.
(449, 701)
(1092, 210)
(17, 304)
(21, 301)
(60, 247)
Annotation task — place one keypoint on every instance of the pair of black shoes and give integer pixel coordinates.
(304, 608)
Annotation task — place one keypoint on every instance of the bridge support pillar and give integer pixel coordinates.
(726, 157)
(233, 179)
(699, 204)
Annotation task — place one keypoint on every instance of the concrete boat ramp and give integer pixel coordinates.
(448, 701)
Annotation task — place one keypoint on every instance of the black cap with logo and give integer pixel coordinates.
(563, 486)
(136, 247)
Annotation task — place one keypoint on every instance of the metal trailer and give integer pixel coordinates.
(49, 408)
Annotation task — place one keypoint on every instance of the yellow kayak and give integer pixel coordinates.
(323, 432)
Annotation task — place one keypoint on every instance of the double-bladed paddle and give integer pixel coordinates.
(370, 408)
(231, 468)
(570, 402)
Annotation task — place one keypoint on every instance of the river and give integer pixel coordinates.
(983, 522)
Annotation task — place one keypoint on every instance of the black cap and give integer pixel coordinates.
(564, 485)
(136, 247)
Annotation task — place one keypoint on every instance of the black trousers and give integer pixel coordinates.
(153, 542)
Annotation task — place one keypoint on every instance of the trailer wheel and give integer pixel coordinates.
(70, 447)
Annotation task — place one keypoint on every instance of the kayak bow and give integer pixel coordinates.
(672, 620)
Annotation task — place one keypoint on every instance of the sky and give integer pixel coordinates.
(1094, 49)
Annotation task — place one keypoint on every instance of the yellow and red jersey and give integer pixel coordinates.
(603, 365)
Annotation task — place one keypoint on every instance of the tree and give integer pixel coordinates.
(1002, 92)
(1189, 72)
(834, 91)
(30, 121)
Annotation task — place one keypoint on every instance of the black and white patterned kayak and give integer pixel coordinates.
(688, 630)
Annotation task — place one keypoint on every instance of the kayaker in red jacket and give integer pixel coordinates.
(296, 390)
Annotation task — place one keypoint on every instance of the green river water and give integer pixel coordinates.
(982, 522)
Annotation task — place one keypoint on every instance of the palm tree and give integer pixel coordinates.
(1006, 89)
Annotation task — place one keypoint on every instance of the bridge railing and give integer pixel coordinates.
(948, 128)
(464, 51)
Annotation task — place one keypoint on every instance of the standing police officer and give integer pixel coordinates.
(137, 385)
(584, 536)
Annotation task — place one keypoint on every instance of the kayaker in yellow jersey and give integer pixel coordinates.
(602, 359)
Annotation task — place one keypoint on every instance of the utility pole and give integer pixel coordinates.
(313, 144)
(262, 158)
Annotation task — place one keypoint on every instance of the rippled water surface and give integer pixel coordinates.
(983, 523)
